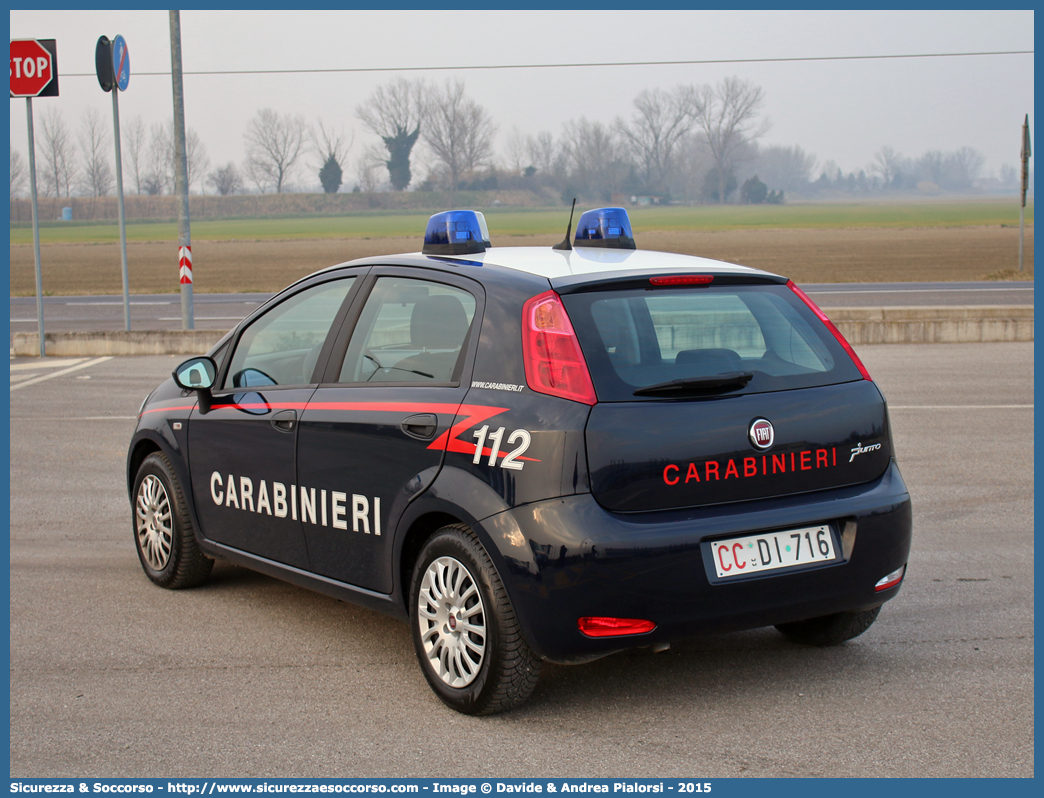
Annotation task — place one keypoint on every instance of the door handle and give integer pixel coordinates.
(422, 426)
(285, 420)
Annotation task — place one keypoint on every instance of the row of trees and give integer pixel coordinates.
(80, 163)
(694, 143)
(590, 158)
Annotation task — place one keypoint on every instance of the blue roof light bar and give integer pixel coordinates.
(456, 233)
(604, 227)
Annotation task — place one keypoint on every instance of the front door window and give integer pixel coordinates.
(282, 346)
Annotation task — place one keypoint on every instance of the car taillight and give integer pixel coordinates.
(614, 627)
(830, 326)
(554, 363)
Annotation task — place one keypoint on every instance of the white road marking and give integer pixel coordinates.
(960, 407)
(52, 420)
(46, 364)
(77, 367)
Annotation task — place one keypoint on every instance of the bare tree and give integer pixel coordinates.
(58, 154)
(545, 154)
(369, 168)
(196, 155)
(660, 120)
(158, 175)
(727, 116)
(258, 176)
(516, 155)
(950, 171)
(226, 180)
(275, 143)
(597, 167)
(785, 168)
(97, 176)
(19, 174)
(458, 131)
(154, 166)
(886, 164)
(134, 143)
(332, 147)
(394, 112)
(965, 167)
(931, 167)
(693, 162)
(1008, 176)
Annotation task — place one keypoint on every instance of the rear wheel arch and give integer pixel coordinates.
(420, 530)
(471, 500)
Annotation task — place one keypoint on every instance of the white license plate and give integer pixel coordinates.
(773, 551)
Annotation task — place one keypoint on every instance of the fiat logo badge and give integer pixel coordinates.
(761, 434)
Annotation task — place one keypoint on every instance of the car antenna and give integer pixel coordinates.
(569, 229)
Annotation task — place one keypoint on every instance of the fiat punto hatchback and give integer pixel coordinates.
(533, 454)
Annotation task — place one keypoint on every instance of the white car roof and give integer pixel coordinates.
(552, 263)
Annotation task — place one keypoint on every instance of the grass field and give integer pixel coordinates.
(514, 222)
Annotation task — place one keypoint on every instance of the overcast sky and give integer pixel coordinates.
(843, 111)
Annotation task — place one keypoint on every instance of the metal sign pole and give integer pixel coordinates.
(1024, 154)
(181, 175)
(123, 217)
(1022, 230)
(36, 227)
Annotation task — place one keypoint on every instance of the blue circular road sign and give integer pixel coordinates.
(120, 62)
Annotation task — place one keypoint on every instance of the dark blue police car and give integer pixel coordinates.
(533, 454)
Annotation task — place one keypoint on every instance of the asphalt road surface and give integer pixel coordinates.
(222, 311)
(249, 677)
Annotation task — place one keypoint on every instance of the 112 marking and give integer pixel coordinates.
(520, 435)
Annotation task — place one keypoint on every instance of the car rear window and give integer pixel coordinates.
(633, 339)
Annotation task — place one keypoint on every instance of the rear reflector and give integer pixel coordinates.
(891, 580)
(554, 363)
(830, 326)
(683, 279)
(614, 627)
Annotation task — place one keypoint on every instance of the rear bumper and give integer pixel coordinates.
(568, 558)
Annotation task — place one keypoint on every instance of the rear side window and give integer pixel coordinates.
(410, 331)
(634, 339)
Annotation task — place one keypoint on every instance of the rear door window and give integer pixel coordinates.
(410, 331)
(633, 339)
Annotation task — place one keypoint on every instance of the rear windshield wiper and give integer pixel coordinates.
(715, 382)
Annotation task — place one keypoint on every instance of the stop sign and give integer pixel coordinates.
(34, 68)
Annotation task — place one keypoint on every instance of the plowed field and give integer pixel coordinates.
(806, 255)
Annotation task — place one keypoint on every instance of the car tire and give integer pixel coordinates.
(163, 532)
(465, 633)
(829, 630)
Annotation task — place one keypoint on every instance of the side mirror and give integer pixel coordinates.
(196, 374)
